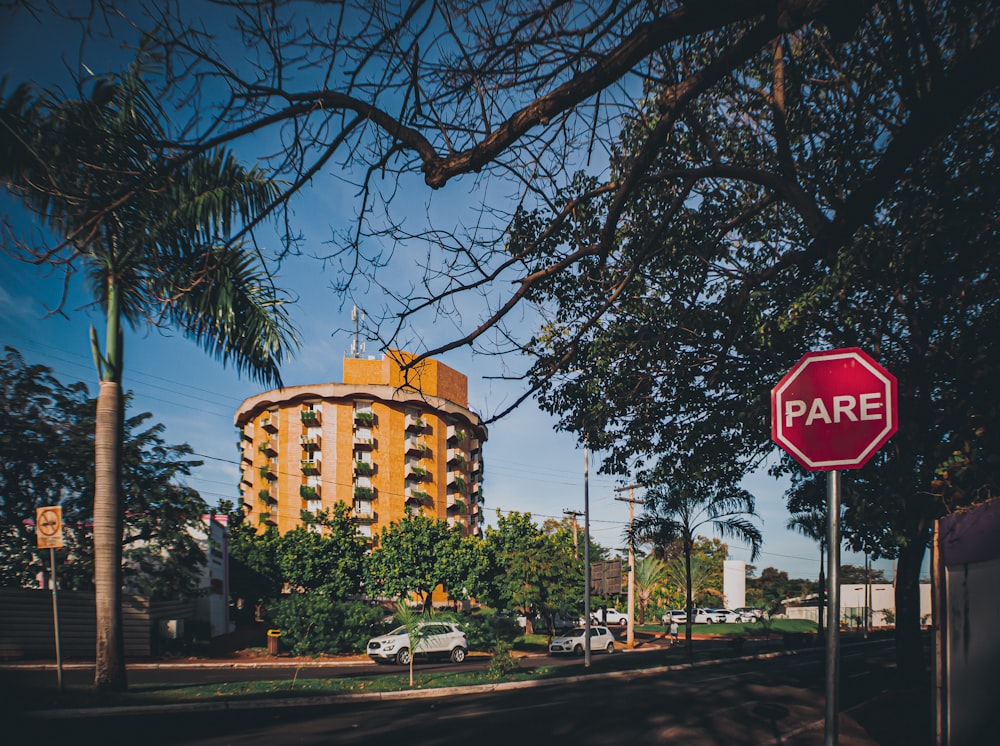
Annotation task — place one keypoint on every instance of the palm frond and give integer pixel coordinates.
(224, 301)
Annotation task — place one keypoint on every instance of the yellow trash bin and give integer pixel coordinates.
(273, 641)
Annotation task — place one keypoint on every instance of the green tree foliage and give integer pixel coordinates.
(46, 451)
(417, 554)
(532, 571)
(768, 591)
(313, 623)
(254, 576)
(650, 575)
(329, 561)
(800, 205)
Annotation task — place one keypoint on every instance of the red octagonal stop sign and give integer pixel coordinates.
(834, 409)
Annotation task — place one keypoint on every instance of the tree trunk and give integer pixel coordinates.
(109, 669)
(909, 648)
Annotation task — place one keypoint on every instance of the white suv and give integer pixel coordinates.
(444, 639)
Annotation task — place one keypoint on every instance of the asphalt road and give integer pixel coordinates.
(778, 701)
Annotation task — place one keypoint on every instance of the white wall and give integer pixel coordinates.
(734, 584)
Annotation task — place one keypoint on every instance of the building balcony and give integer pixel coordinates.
(455, 434)
(476, 465)
(246, 433)
(417, 473)
(363, 511)
(364, 468)
(310, 465)
(456, 505)
(364, 441)
(414, 423)
(457, 457)
(416, 497)
(457, 481)
(310, 442)
(267, 519)
(267, 495)
(246, 456)
(268, 448)
(415, 445)
(455, 520)
(270, 422)
(309, 491)
(268, 470)
(310, 417)
(364, 418)
(364, 493)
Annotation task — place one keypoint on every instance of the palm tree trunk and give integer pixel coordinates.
(109, 670)
(109, 665)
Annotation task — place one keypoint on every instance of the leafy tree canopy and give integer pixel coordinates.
(46, 452)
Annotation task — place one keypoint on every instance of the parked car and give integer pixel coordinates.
(729, 616)
(749, 614)
(701, 616)
(573, 641)
(444, 639)
(612, 617)
(675, 615)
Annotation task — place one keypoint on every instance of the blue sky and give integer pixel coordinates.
(529, 466)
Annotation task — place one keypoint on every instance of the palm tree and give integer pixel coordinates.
(650, 572)
(678, 511)
(813, 524)
(148, 227)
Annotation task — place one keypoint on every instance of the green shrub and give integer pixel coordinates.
(311, 623)
(485, 628)
(502, 662)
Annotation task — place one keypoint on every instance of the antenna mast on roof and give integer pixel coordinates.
(357, 346)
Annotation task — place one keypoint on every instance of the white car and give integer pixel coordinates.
(573, 641)
(614, 617)
(444, 639)
(725, 616)
(675, 615)
(749, 614)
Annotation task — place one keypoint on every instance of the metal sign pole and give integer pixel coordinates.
(833, 607)
(55, 617)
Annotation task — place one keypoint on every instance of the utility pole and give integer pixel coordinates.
(576, 547)
(630, 636)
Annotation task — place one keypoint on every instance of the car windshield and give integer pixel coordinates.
(397, 631)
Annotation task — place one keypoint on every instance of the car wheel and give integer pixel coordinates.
(458, 655)
(623, 623)
(610, 648)
(403, 657)
(578, 650)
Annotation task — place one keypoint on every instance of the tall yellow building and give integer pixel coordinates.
(385, 442)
